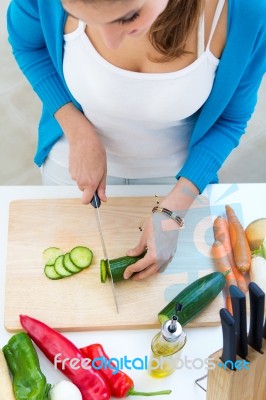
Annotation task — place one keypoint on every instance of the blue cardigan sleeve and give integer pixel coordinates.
(208, 153)
(30, 50)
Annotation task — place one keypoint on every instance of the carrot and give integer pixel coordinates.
(238, 239)
(222, 264)
(228, 302)
(221, 233)
(241, 280)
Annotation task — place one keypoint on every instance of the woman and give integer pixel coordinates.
(140, 89)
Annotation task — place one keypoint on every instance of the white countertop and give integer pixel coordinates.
(201, 341)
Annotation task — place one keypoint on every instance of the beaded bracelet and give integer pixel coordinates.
(170, 214)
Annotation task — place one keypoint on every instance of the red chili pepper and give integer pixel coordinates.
(121, 384)
(91, 384)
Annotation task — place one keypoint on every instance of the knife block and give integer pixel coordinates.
(244, 384)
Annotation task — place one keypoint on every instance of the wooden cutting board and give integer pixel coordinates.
(82, 302)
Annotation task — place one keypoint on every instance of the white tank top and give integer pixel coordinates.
(145, 120)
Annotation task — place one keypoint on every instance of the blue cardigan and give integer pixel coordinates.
(36, 35)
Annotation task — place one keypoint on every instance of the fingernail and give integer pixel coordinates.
(126, 275)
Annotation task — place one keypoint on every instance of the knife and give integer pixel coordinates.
(96, 202)
(238, 299)
(257, 299)
(229, 338)
(264, 331)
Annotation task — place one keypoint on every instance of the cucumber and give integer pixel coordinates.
(81, 256)
(51, 273)
(68, 264)
(118, 266)
(103, 271)
(194, 298)
(60, 269)
(50, 255)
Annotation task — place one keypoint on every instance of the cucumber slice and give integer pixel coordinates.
(51, 273)
(81, 256)
(50, 255)
(59, 267)
(103, 271)
(68, 264)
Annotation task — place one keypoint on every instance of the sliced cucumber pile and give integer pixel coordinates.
(59, 265)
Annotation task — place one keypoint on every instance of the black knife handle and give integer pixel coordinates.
(238, 299)
(257, 299)
(264, 331)
(95, 202)
(229, 338)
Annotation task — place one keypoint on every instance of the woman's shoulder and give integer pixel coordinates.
(34, 8)
(71, 24)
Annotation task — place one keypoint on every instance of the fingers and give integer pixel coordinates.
(101, 189)
(139, 249)
(87, 196)
(140, 265)
(151, 270)
(88, 192)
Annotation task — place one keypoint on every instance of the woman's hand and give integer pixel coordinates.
(87, 164)
(159, 237)
(87, 156)
(160, 233)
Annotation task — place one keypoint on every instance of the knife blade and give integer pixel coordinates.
(264, 330)
(96, 202)
(238, 299)
(229, 338)
(257, 299)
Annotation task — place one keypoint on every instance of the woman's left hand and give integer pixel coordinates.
(160, 233)
(159, 238)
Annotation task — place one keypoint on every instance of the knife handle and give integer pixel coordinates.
(229, 338)
(238, 299)
(95, 202)
(264, 331)
(257, 299)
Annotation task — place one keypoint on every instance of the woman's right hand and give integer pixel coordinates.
(87, 155)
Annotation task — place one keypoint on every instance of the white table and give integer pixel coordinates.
(201, 341)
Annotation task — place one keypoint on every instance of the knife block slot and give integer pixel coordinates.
(240, 384)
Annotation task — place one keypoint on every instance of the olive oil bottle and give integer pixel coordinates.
(166, 349)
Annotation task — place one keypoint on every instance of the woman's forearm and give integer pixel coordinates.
(181, 197)
(73, 122)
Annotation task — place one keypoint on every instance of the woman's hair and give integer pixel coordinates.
(168, 34)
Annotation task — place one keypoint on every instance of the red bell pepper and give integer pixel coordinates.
(121, 385)
(91, 384)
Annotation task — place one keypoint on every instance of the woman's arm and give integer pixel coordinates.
(207, 155)
(35, 53)
(36, 35)
(87, 156)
